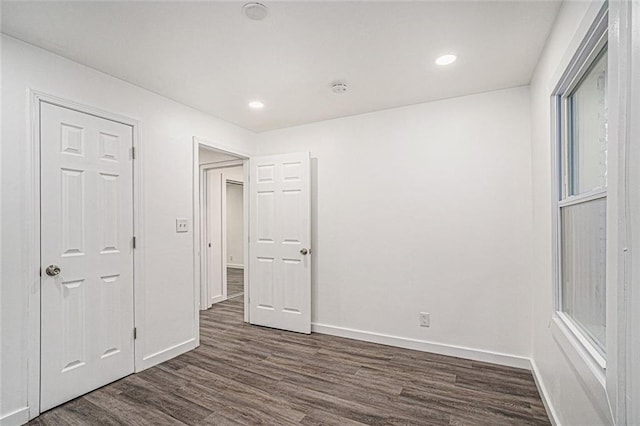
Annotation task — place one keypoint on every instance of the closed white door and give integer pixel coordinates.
(87, 253)
(279, 242)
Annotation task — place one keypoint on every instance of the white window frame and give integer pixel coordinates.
(586, 55)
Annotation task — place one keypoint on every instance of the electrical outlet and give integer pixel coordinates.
(231, 258)
(424, 319)
(182, 225)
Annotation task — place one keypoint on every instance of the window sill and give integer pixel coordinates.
(591, 375)
(579, 339)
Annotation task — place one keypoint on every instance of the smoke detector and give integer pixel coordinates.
(338, 87)
(255, 11)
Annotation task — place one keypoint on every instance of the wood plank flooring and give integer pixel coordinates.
(235, 282)
(250, 375)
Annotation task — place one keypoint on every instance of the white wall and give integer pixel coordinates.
(167, 131)
(570, 401)
(235, 224)
(425, 208)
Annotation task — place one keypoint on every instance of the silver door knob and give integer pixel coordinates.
(304, 251)
(52, 270)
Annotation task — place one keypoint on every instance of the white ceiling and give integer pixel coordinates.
(208, 55)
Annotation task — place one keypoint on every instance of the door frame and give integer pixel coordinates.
(226, 182)
(33, 207)
(198, 239)
(205, 296)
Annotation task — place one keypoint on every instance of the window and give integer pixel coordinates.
(582, 199)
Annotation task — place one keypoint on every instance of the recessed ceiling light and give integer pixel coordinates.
(446, 59)
(255, 11)
(256, 105)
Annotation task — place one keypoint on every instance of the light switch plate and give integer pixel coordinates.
(182, 225)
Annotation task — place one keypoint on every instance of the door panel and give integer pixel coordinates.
(86, 230)
(280, 228)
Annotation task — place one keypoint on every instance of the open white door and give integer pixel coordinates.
(87, 254)
(279, 242)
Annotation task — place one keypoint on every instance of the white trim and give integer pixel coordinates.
(200, 187)
(591, 375)
(589, 47)
(233, 296)
(217, 299)
(544, 395)
(576, 49)
(206, 301)
(581, 337)
(35, 97)
(33, 289)
(235, 265)
(583, 198)
(221, 164)
(623, 304)
(588, 56)
(16, 417)
(201, 231)
(424, 346)
(139, 310)
(197, 211)
(170, 352)
(223, 232)
(222, 148)
(629, 386)
(245, 213)
(197, 240)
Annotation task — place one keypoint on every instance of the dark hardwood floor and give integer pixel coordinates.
(235, 282)
(248, 375)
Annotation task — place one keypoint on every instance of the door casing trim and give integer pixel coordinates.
(33, 208)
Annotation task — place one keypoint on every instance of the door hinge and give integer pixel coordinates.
(40, 271)
(135, 333)
(133, 241)
(133, 152)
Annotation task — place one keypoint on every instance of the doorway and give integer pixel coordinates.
(276, 235)
(222, 231)
(234, 225)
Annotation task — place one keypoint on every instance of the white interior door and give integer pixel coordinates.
(87, 253)
(279, 242)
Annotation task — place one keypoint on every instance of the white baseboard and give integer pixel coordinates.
(235, 265)
(425, 346)
(167, 354)
(542, 390)
(217, 299)
(15, 418)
